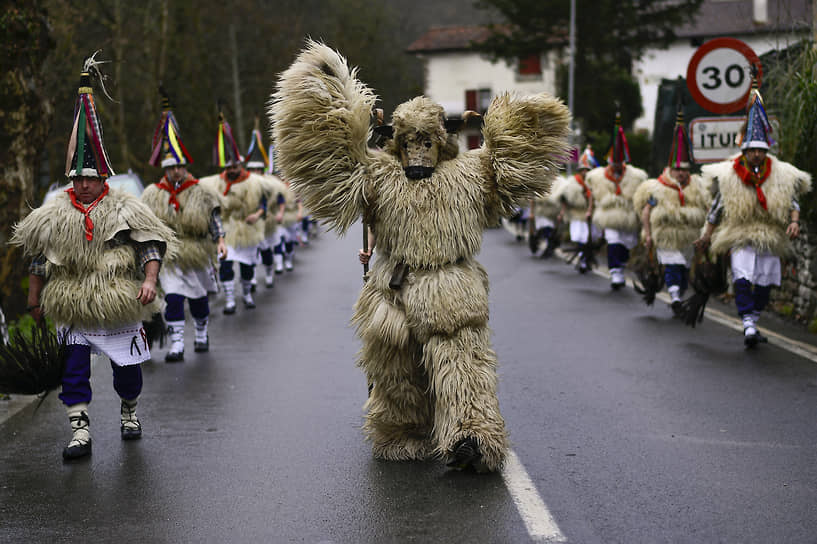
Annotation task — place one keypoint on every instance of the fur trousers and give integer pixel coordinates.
(427, 396)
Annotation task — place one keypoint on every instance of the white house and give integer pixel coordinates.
(460, 79)
(764, 25)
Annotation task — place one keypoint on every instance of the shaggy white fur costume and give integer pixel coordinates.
(612, 211)
(93, 284)
(673, 226)
(744, 221)
(426, 346)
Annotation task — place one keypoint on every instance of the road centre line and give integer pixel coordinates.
(538, 520)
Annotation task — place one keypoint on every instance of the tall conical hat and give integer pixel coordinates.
(86, 150)
(168, 148)
(680, 155)
(225, 150)
(256, 155)
(619, 151)
(587, 160)
(757, 130)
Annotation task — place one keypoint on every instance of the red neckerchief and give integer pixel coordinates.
(241, 177)
(581, 182)
(89, 225)
(167, 186)
(672, 185)
(608, 173)
(752, 179)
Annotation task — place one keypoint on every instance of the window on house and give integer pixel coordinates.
(478, 100)
(530, 65)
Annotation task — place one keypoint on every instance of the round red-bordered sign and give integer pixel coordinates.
(718, 74)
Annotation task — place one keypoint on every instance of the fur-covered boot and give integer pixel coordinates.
(175, 330)
(130, 428)
(229, 297)
(249, 303)
(80, 443)
(202, 340)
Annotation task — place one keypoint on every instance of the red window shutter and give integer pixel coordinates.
(532, 64)
(471, 100)
(473, 141)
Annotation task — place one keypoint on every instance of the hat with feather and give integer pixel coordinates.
(256, 155)
(86, 154)
(168, 148)
(619, 151)
(680, 155)
(587, 160)
(225, 149)
(756, 131)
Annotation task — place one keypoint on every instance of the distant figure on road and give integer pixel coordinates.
(97, 253)
(193, 211)
(612, 189)
(754, 216)
(673, 211)
(242, 206)
(423, 313)
(576, 207)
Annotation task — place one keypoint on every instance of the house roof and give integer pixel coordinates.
(449, 38)
(735, 17)
(715, 18)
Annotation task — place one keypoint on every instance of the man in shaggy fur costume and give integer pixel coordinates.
(257, 162)
(423, 314)
(545, 220)
(97, 253)
(754, 216)
(612, 190)
(673, 210)
(575, 197)
(193, 211)
(243, 205)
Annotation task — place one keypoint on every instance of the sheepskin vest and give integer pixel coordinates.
(191, 222)
(272, 187)
(241, 200)
(672, 225)
(290, 207)
(611, 210)
(430, 222)
(744, 221)
(546, 207)
(93, 284)
(574, 195)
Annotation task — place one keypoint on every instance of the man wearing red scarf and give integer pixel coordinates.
(193, 212)
(97, 253)
(754, 216)
(673, 210)
(575, 198)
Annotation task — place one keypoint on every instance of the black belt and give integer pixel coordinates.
(401, 270)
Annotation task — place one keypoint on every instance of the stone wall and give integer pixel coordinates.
(797, 296)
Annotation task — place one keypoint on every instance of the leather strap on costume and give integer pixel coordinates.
(167, 186)
(89, 225)
(581, 182)
(671, 185)
(748, 177)
(241, 177)
(608, 173)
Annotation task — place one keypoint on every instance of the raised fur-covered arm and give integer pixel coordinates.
(320, 116)
(526, 144)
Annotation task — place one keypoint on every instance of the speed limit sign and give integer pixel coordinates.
(719, 75)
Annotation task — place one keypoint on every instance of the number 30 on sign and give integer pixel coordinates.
(719, 75)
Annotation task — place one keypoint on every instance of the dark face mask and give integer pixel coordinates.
(418, 172)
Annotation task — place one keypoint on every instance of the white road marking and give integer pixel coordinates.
(538, 519)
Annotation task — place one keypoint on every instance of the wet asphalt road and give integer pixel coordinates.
(632, 428)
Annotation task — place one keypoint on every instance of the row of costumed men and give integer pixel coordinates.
(245, 214)
(745, 208)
